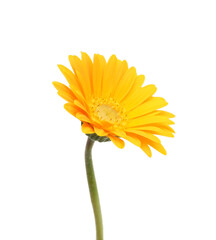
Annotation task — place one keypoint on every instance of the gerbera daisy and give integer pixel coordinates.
(110, 101)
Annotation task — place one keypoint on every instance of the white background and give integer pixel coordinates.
(43, 187)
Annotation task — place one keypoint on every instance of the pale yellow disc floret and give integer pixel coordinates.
(108, 111)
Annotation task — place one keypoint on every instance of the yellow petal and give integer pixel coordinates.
(69, 76)
(144, 120)
(79, 95)
(81, 74)
(100, 132)
(61, 87)
(154, 130)
(147, 107)
(158, 146)
(133, 139)
(121, 68)
(98, 70)
(87, 128)
(108, 76)
(145, 134)
(117, 141)
(164, 127)
(137, 85)
(146, 149)
(88, 67)
(119, 133)
(125, 84)
(71, 109)
(139, 96)
(80, 105)
(67, 96)
(165, 114)
(87, 62)
(139, 80)
(74, 84)
(82, 117)
(169, 128)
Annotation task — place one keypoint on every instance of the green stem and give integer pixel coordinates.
(93, 189)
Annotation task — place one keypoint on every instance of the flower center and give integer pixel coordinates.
(108, 111)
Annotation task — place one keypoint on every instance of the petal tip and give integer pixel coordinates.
(59, 66)
(117, 141)
(54, 83)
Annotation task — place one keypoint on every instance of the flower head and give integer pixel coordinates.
(109, 100)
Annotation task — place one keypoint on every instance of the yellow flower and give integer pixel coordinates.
(108, 98)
